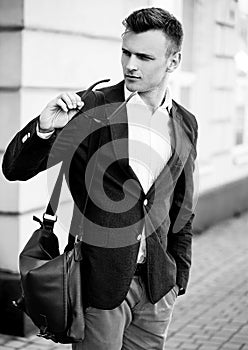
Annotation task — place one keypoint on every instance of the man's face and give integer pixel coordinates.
(144, 60)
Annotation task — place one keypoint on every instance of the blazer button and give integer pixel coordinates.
(24, 139)
(139, 237)
(145, 201)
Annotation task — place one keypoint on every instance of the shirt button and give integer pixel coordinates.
(145, 201)
(139, 237)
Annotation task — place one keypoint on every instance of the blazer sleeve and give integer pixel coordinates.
(181, 217)
(28, 154)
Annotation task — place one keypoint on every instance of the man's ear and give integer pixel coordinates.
(173, 62)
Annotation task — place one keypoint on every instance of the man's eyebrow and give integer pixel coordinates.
(140, 54)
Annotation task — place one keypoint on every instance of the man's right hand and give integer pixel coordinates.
(59, 111)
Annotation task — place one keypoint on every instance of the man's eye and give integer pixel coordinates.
(144, 58)
(126, 53)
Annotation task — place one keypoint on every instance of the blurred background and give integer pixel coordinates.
(51, 46)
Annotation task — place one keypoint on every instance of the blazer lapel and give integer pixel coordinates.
(180, 145)
(119, 127)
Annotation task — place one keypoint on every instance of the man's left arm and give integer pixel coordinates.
(181, 216)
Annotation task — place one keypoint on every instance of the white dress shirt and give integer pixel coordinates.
(149, 144)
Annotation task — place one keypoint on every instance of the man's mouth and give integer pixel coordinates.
(131, 77)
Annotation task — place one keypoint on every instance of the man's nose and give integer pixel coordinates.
(132, 63)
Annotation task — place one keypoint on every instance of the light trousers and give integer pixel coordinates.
(134, 325)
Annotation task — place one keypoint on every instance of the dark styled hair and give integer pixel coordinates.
(156, 18)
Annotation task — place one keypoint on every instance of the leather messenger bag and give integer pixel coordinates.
(51, 282)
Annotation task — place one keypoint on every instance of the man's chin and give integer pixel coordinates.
(132, 86)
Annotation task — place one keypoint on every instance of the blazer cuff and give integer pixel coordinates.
(182, 281)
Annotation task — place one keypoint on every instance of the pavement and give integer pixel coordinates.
(213, 314)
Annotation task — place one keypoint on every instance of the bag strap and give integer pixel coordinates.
(50, 217)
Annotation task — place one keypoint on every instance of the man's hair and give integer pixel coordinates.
(156, 18)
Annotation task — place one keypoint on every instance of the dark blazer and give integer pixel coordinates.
(117, 207)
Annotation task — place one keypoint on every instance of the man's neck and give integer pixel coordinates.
(154, 98)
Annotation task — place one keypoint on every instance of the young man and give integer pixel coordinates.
(138, 223)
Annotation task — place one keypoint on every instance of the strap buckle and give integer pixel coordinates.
(49, 221)
(49, 217)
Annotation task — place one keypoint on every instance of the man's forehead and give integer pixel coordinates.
(148, 42)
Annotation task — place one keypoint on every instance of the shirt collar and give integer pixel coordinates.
(167, 104)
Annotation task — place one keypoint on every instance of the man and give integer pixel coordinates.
(138, 220)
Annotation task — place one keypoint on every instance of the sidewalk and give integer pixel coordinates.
(213, 315)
